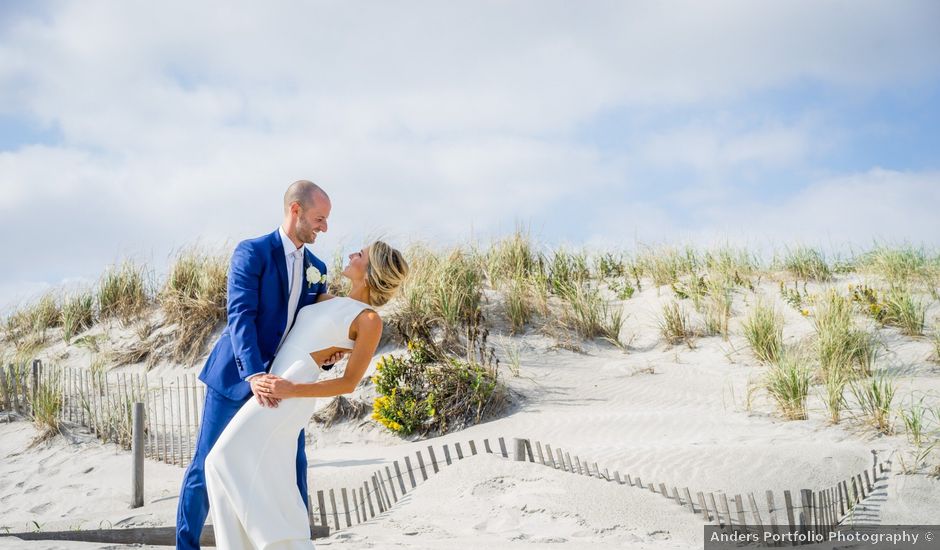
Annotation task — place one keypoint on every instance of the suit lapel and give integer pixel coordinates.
(280, 263)
(305, 289)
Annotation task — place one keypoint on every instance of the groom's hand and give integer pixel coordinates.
(256, 388)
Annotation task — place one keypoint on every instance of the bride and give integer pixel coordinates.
(250, 471)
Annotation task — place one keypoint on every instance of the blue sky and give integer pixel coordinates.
(129, 129)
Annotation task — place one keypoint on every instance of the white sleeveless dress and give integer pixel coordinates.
(251, 469)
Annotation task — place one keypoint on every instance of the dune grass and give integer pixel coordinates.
(194, 299)
(78, 314)
(840, 343)
(901, 264)
(457, 292)
(567, 271)
(513, 266)
(608, 265)
(519, 308)
(512, 259)
(732, 267)
(788, 381)
(935, 340)
(833, 395)
(717, 309)
(913, 416)
(441, 300)
(591, 316)
(674, 324)
(905, 311)
(806, 263)
(46, 406)
(123, 292)
(665, 265)
(27, 326)
(763, 329)
(875, 395)
(336, 283)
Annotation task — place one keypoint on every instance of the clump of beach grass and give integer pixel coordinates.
(807, 263)
(718, 309)
(674, 324)
(123, 292)
(763, 329)
(441, 299)
(833, 394)
(194, 297)
(512, 259)
(341, 409)
(665, 265)
(78, 314)
(609, 266)
(914, 419)
(730, 267)
(336, 284)
(840, 343)
(935, 339)
(788, 381)
(567, 271)
(591, 316)
(513, 266)
(458, 291)
(46, 407)
(901, 264)
(874, 396)
(905, 311)
(26, 327)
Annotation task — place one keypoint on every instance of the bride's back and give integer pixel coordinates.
(318, 326)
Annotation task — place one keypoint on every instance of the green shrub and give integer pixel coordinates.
(417, 392)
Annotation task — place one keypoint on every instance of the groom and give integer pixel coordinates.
(270, 278)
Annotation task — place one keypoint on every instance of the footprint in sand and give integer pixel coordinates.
(40, 509)
(548, 540)
(492, 487)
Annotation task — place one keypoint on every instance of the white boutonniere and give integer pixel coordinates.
(314, 276)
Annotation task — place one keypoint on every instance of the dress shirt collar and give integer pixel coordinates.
(288, 244)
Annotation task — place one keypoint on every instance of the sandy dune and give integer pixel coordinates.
(668, 414)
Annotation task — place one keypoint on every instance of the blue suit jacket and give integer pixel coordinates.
(257, 313)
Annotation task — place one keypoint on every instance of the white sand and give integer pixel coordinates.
(686, 424)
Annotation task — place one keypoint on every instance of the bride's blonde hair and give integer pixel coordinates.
(386, 272)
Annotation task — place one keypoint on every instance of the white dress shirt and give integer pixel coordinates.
(289, 250)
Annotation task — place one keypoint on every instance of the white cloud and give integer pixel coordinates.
(836, 213)
(185, 121)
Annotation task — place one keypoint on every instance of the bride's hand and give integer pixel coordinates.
(274, 386)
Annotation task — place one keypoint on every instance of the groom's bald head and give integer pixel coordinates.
(305, 192)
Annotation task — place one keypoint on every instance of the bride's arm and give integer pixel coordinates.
(368, 328)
